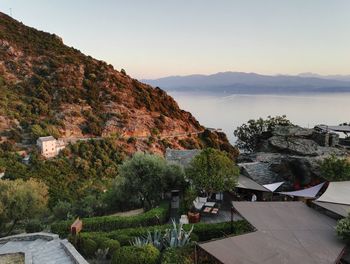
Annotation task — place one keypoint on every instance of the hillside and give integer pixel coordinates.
(47, 88)
(252, 83)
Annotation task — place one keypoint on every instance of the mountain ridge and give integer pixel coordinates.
(242, 82)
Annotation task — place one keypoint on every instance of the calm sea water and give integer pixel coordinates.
(228, 112)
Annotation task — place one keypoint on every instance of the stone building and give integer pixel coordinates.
(49, 146)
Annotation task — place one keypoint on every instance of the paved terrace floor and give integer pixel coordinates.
(223, 216)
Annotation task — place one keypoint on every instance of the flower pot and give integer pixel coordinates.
(193, 217)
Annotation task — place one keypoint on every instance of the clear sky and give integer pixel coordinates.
(155, 38)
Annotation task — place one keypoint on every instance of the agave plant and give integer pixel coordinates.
(177, 236)
(155, 240)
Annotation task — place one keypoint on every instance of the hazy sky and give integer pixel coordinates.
(155, 38)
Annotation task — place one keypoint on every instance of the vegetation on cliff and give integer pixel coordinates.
(49, 88)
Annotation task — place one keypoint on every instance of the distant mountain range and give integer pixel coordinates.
(253, 83)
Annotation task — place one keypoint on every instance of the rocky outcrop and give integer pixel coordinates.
(290, 154)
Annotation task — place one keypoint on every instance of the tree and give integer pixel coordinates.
(335, 169)
(144, 176)
(20, 201)
(249, 134)
(343, 228)
(212, 171)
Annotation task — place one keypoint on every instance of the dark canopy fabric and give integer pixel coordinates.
(247, 183)
(287, 232)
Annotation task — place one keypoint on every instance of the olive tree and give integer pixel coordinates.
(212, 171)
(21, 201)
(148, 177)
(248, 135)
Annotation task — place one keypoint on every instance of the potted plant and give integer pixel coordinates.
(193, 216)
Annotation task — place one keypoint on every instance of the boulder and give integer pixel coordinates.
(292, 131)
(294, 145)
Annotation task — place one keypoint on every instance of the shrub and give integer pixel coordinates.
(131, 140)
(88, 247)
(335, 169)
(194, 237)
(62, 210)
(136, 255)
(177, 256)
(112, 245)
(343, 228)
(33, 226)
(154, 216)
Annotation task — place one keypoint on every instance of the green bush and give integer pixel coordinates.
(136, 255)
(112, 245)
(177, 256)
(194, 237)
(343, 228)
(88, 247)
(152, 217)
(33, 226)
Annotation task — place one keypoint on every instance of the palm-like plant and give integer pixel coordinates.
(173, 237)
(155, 240)
(177, 236)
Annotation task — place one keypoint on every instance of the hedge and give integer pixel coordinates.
(155, 216)
(203, 231)
(136, 255)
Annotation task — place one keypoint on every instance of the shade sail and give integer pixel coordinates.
(339, 209)
(273, 186)
(307, 193)
(337, 192)
(247, 183)
(287, 232)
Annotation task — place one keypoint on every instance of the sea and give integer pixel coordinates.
(227, 112)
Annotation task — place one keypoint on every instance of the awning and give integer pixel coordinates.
(307, 193)
(247, 183)
(273, 186)
(339, 209)
(337, 192)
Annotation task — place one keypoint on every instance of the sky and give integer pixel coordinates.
(157, 38)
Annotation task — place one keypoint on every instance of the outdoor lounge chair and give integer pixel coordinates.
(199, 202)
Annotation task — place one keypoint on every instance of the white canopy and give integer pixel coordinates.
(337, 192)
(273, 186)
(308, 193)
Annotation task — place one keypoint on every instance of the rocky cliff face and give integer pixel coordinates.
(293, 154)
(49, 88)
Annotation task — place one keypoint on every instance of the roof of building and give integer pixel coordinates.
(48, 138)
(247, 183)
(182, 157)
(344, 128)
(259, 172)
(287, 232)
(38, 248)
